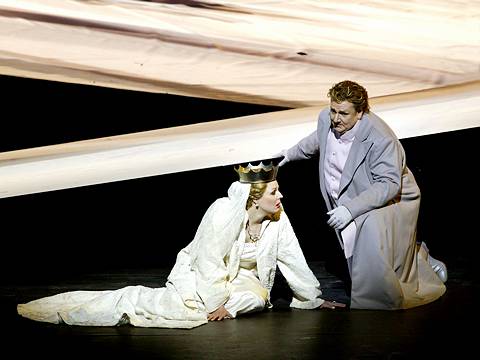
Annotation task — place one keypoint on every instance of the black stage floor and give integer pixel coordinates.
(446, 326)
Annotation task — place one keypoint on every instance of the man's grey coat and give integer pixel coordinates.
(382, 195)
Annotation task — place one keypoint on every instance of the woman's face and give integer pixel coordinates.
(270, 200)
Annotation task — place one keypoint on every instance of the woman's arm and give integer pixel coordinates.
(302, 281)
(208, 263)
(304, 149)
(292, 264)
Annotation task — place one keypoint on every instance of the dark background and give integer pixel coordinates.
(142, 223)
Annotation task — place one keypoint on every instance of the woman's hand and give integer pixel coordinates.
(219, 314)
(331, 305)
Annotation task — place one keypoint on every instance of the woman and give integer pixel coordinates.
(227, 270)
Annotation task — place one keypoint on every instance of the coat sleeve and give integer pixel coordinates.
(308, 147)
(304, 149)
(208, 262)
(385, 165)
(292, 264)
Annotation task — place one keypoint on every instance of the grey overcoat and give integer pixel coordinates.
(382, 195)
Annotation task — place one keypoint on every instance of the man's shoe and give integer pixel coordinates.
(439, 267)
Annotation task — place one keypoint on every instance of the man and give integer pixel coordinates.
(373, 202)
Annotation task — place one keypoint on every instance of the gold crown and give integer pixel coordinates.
(255, 172)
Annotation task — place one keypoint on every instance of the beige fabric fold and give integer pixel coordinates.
(277, 52)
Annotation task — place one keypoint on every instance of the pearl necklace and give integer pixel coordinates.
(253, 237)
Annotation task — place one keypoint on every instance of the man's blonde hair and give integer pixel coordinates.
(352, 92)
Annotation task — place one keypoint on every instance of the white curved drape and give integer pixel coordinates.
(218, 143)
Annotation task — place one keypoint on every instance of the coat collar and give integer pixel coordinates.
(358, 151)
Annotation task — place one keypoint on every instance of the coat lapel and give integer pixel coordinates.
(358, 151)
(323, 129)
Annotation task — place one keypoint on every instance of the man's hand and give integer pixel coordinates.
(219, 314)
(339, 217)
(280, 154)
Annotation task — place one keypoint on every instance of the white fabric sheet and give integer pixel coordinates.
(276, 52)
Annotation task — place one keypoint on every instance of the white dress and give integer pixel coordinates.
(147, 307)
(248, 294)
(217, 268)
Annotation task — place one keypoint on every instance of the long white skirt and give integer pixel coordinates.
(144, 307)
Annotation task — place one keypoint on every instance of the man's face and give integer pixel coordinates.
(343, 116)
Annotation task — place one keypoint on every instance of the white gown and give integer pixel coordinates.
(248, 294)
(217, 268)
(147, 307)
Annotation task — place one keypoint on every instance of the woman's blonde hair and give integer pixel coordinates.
(256, 192)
